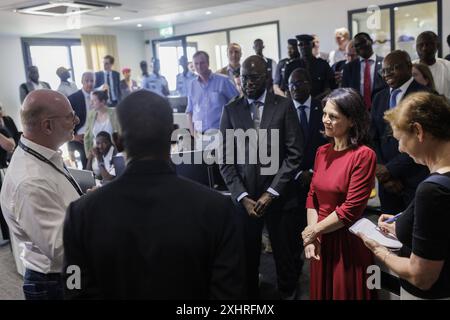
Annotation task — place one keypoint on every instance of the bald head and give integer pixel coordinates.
(254, 77)
(39, 104)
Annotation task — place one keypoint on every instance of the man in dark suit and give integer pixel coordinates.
(32, 83)
(81, 104)
(262, 187)
(397, 173)
(309, 111)
(363, 74)
(109, 79)
(278, 81)
(150, 234)
(322, 76)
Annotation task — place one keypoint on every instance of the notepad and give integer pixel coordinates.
(371, 231)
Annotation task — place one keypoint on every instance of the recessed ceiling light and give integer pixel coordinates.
(139, 25)
(407, 15)
(208, 12)
(396, 9)
(116, 18)
(416, 19)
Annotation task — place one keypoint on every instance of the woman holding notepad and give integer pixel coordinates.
(344, 175)
(421, 125)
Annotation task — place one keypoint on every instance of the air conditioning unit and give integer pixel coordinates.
(66, 8)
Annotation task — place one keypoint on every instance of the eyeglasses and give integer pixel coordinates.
(252, 78)
(298, 84)
(71, 116)
(390, 69)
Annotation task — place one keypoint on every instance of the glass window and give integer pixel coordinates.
(208, 43)
(381, 34)
(412, 20)
(169, 52)
(79, 63)
(245, 37)
(48, 63)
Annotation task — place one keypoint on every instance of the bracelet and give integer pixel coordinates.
(385, 256)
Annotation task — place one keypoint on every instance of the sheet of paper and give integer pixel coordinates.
(370, 230)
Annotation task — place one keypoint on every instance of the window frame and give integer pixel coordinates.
(29, 42)
(392, 19)
(226, 30)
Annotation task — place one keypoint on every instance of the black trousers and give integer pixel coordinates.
(78, 146)
(3, 224)
(284, 229)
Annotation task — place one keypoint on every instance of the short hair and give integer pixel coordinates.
(363, 34)
(104, 134)
(303, 72)
(146, 121)
(101, 95)
(404, 55)
(200, 53)
(231, 44)
(258, 40)
(292, 42)
(86, 73)
(343, 31)
(31, 117)
(430, 34)
(426, 73)
(351, 104)
(110, 58)
(430, 110)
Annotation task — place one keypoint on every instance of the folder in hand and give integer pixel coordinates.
(371, 231)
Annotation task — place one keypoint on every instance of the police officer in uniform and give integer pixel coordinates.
(184, 77)
(322, 76)
(156, 82)
(279, 84)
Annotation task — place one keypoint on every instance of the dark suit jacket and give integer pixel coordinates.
(27, 87)
(150, 234)
(79, 106)
(100, 80)
(315, 138)
(351, 77)
(400, 165)
(279, 113)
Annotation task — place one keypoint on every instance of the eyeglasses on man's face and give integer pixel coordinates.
(71, 116)
(298, 84)
(390, 69)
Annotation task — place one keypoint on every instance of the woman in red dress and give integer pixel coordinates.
(344, 175)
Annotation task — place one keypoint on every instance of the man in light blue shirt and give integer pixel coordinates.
(184, 78)
(207, 95)
(156, 82)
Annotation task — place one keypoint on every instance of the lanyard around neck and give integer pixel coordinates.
(43, 159)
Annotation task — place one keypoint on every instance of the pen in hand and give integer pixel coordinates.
(393, 219)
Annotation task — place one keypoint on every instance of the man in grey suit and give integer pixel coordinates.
(32, 83)
(263, 190)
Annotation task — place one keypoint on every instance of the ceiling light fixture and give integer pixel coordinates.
(139, 25)
(208, 12)
(116, 18)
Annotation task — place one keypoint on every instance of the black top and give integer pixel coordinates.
(447, 57)
(3, 153)
(423, 230)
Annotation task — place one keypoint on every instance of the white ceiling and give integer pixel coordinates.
(151, 14)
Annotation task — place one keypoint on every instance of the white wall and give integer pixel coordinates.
(321, 18)
(130, 45)
(13, 74)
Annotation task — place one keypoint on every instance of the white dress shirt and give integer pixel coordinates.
(307, 105)
(403, 89)
(67, 88)
(87, 100)
(441, 76)
(373, 61)
(262, 100)
(34, 199)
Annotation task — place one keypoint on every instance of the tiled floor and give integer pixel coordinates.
(10, 280)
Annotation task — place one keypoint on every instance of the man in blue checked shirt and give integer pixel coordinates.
(208, 93)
